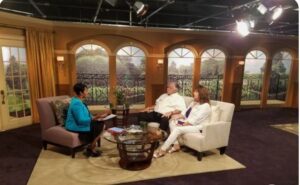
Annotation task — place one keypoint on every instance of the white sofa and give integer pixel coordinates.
(215, 133)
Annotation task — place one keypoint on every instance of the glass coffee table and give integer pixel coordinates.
(135, 146)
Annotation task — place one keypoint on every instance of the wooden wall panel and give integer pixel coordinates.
(157, 43)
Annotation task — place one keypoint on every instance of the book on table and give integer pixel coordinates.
(116, 130)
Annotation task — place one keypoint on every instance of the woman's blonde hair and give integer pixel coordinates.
(203, 94)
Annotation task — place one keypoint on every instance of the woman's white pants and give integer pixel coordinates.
(177, 131)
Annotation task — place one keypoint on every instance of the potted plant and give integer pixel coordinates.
(121, 98)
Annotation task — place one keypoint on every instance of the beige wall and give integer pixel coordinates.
(157, 43)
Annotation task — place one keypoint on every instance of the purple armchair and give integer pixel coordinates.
(53, 133)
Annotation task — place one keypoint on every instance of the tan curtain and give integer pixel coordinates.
(40, 56)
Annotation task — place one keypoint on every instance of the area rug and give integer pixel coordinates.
(288, 127)
(54, 167)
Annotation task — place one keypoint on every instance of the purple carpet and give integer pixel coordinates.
(270, 155)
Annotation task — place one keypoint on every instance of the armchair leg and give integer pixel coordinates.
(73, 152)
(45, 145)
(222, 150)
(199, 156)
(99, 142)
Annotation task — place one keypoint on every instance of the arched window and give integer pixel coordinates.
(131, 74)
(212, 72)
(93, 70)
(281, 68)
(180, 69)
(253, 77)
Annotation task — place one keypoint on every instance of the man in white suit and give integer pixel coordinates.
(164, 107)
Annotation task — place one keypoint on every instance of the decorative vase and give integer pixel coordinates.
(120, 106)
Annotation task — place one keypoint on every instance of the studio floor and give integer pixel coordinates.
(268, 154)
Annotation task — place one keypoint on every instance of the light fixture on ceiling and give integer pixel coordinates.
(160, 63)
(140, 8)
(1, 1)
(274, 13)
(241, 62)
(277, 12)
(242, 27)
(60, 60)
(112, 2)
(252, 23)
(262, 9)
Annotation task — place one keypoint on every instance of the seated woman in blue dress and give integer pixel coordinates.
(80, 120)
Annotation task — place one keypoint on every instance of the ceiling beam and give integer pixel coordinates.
(16, 11)
(279, 27)
(157, 10)
(226, 25)
(107, 9)
(290, 30)
(37, 8)
(221, 13)
(97, 11)
(284, 25)
(92, 7)
(195, 3)
(125, 22)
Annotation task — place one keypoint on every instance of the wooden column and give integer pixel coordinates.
(196, 72)
(266, 82)
(112, 78)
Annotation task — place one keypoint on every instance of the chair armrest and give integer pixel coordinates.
(216, 134)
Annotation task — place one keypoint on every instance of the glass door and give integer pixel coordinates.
(15, 107)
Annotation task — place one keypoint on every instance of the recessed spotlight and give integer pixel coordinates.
(242, 28)
(252, 23)
(262, 9)
(140, 8)
(277, 12)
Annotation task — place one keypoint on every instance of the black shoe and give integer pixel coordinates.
(90, 153)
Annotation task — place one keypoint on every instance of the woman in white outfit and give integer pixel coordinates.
(189, 122)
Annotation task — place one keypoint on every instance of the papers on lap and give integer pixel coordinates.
(107, 117)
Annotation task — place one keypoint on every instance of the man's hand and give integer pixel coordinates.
(148, 109)
(177, 116)
(167, 114)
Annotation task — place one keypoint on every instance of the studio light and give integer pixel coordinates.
(277, 12)
(140, 8)
(262, 9)
(242, 28)
(252, 23)
(112, 2)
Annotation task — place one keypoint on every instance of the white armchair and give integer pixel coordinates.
(215, 133)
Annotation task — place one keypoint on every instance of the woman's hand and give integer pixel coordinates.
(105, 114)
(96, 117)
(184, 124)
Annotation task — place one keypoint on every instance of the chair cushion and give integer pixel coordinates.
(215, 114)
(60, 135)
(193, 140)
(60, 108)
